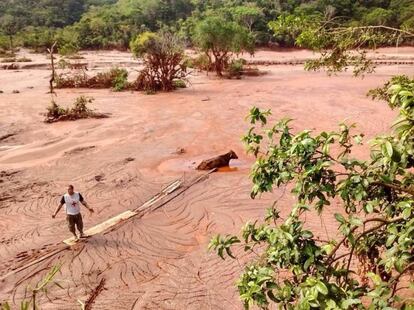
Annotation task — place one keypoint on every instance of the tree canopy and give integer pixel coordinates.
(114, 23)
(220, 39)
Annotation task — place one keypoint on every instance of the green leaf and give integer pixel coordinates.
(375, 278)
(369, 207)
(340, 218)
(321, 287)
(389, 149)
(308, 262)
(406, 213)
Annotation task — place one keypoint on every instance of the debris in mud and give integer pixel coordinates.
(8, 173)
(80, 110)
(218, 161)
(6, 197)
(79, 149)
(99, 177)
(15, 91)
(12, 66)
(1, 92)
(6, 136)
(98, 289)
(206, 99)
(128, 159)
(179, 151)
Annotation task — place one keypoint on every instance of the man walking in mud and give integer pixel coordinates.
(72, 201)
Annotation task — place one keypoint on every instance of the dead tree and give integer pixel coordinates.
(52, 78)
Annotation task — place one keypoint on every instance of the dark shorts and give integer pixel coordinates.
(75, 220)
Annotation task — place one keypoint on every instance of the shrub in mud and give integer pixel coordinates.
(164, 61)
(79, 110)
(115, 78)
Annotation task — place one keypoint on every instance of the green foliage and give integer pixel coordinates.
(164, 60)
(221, 244)
(115, 78)
(54, 111)
(68, 41)
(120, 82)
(247, 14)
(235, 68)
(373, 258)
(378, 16)
(80, 105)
(79, 110)
(41, 286)
(201, 62)
(287, 28)
(221, 39)
(340, 47)
(179, 84)
(113, 24)
(145, 43)
(37, 38)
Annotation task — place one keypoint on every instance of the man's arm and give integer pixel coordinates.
(83, 202)
(57, 210)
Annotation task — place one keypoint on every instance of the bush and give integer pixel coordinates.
(6, 54)
(4, 43)
(378, 16)
(179, 84)
(68, 49)
(120, 80)
(23, 59)
(75, 57)
(202, 62)
(68, 41)
(235, 68)
(8, 60)
(38, 39)
(55, 111)
(164, 60)
(79, 110)
(77, 80)
(115, 78)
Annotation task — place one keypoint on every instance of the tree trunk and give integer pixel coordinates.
(11, 43)
(218, 65)
(52, 78)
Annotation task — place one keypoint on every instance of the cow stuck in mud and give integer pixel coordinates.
(218, 161)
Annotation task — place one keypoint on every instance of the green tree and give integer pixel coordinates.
(220, 39)
(340, 46)
(247, 14)
(163, 56)
(10, 26)
(378, 16)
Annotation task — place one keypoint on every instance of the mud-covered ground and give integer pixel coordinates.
(159, 260)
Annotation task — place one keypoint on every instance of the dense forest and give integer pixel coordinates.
(103, 24)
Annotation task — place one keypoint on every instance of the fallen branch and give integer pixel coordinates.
(94, 294)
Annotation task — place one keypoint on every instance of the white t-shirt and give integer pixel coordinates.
(72, 203)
